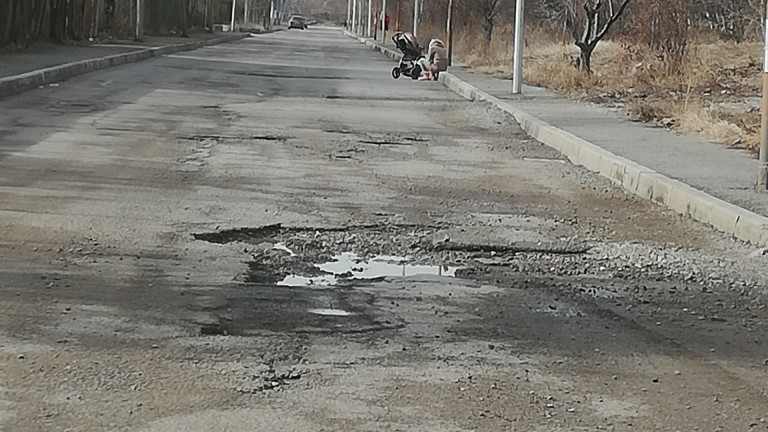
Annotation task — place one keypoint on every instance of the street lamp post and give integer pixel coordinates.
(517, 64)
(245, 14)
(271, 14)
(232, 23)
(416, 13)
(762, 177)
(138, 33)
(349, 14)
(384, 21)
(449, 31)
(370, 19)
(361, 19)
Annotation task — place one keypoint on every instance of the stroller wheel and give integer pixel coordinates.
(416, 72)
(396, 73)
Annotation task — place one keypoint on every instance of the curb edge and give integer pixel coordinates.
(28, 80)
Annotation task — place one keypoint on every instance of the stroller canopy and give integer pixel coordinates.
(407, 44)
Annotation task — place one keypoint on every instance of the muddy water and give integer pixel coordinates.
(348, 265)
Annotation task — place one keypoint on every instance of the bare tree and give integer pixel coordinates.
(489, 11)
(598, 17)
(664, 27)
(732, 19)
(562, 13)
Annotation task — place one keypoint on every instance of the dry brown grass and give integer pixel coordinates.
(704, 97)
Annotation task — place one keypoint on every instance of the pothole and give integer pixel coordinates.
(349, 266)
(72, 107)
(330, 312)
(544, 160)
(345, 255)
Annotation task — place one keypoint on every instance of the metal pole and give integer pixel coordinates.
(349, 14)
(138, 21)
(370, 19)
(271, 14)
(232, 24)
(245, 15)
(517, 64)
(96, 21)
(362, 18)
(416, 13)
(354, 16)
(384, 21)
(762, 177)
(449, 31)
(209, 15)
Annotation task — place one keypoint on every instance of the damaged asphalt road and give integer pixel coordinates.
(239, 239)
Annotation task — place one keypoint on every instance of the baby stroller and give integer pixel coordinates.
(409, 64)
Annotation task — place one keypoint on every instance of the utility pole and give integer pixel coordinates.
(271, 14)
(206, 12)
(383, 21)
(361, 22)
(139, 24)
(370, 19)
(349, 14)
(416, 13)
(232, 24)
(354, 16)
(762, 178)
(97, 8)
(517, 63)
(449, 31)
(245, 15)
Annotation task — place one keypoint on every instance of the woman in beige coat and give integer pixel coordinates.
(438, 60)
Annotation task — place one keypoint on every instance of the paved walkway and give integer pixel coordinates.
(49, 55)
(725, 173)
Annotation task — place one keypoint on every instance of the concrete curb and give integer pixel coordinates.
(29, 80)
(633, 177)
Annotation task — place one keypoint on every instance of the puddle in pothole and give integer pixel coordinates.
(284, 248)
(540, 159)
(330, 312)
(350, 266)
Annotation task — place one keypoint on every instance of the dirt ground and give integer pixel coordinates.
(233, 240)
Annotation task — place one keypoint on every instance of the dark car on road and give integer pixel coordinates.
(298, 22)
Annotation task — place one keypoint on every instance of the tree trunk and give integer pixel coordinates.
(488, 30)
(184, 19)
(585, 58)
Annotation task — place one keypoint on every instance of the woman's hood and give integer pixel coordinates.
(436, 42)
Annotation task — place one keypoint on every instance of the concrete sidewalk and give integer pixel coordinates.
(48, 64)
(725, 173)
(706, 181)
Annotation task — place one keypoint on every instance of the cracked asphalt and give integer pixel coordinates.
(273, 234)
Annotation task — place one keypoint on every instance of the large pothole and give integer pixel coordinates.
(322, 256)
